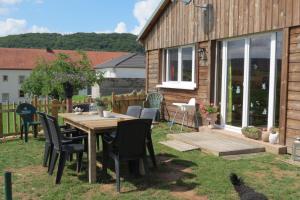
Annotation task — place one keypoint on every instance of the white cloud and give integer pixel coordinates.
(121, 28)
(11, 2)
(143, 10)
(39, 1)
(4, 11)
(12, 26)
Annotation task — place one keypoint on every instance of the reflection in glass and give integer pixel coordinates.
(278, 76)
(260, 50)
(173, 64)
(235, 77)
(187, 63)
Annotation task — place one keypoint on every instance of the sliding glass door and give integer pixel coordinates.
(250, 82)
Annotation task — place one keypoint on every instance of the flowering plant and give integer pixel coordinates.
(206, 109)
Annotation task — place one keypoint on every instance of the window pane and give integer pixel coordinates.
(278, 76)
(187, 64)
(235, 78)
(260, 50)
(173, 64)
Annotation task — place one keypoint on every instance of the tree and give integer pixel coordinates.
(53, 78)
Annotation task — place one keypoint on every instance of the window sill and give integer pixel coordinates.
(179, 86)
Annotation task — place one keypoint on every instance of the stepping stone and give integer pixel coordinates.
(179, 146)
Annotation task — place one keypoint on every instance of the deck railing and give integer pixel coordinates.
(10, 121)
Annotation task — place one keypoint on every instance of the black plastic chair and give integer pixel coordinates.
(27, 112)
(63, 150)
(128, 145)
(150, 113)
(134, 111)
(48, 139)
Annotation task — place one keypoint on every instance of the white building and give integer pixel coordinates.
(17, 64)
(122, 75)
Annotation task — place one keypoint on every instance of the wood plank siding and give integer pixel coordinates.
(181, 24)
(177, 24)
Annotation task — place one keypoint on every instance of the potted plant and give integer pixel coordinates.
(274, 135)
(209, 114)
(252, 132)
(100, 106)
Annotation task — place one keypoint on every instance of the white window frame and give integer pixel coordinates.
(272, 83)
(179, 84)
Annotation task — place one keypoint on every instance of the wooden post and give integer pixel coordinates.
(1, 122)
(113, 102)
(54, 108)
(69, 105)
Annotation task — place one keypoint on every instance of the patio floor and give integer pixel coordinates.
(217, 143)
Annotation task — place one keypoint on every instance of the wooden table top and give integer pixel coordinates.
(86, 121)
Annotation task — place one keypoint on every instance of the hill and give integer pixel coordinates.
(82, 41)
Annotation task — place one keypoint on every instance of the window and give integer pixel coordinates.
(5, 97)
(180, 68)
(21, 94)
(5, 78)
(21, 79)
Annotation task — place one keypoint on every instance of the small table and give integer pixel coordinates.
(93, 125)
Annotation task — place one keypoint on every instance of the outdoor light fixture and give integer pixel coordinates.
(202, 54)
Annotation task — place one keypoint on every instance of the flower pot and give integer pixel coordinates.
(265, 136)
(100, 111)
(273, 138)
(210, 120)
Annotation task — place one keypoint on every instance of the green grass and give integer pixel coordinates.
(198, 173)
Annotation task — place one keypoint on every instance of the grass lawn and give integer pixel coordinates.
(190, 175)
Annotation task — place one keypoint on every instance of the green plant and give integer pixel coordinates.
(206, 109)
(99, 102)
(273, 130)
(252, 132)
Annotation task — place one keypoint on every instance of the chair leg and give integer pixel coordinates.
(61, 166)
(79, 161)
(98, 142)
(50, 157)
(26, 133)
(53, 161)
(182, 121)
(117, 169)
(105, 156)
(47, 153)
(35, 131)
(145, 164)
(21, 131)
(172, 123)
(151, 151)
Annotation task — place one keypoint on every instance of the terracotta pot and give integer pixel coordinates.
(100, 111)
(265, 136)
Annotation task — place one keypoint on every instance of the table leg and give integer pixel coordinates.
(92, 157)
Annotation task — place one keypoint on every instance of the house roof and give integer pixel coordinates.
(151, 21)
(26, 59)
(131, 60)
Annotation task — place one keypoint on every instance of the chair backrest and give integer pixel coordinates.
(55, 132)
(83, 107)
(26, 111)
(192, 101)
(45, 126)
(154, 100)
(131, 137)
(134, 111)
(149, 113)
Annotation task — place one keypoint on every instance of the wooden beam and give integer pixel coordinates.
(284, 86)
(1, 122)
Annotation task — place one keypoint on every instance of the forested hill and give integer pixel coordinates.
(77, 41)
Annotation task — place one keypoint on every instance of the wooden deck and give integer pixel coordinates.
(217, 143)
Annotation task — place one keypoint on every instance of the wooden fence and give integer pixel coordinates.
(10, 121)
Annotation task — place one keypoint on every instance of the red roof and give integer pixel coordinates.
(26, 59)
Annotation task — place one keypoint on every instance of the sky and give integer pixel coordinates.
(71, 16)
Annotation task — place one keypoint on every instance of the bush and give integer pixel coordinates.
(252, 132)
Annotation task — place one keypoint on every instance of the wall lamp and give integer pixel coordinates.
(202, 54)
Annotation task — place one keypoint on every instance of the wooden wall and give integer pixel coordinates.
(201, 93)
(293, 97)
(181, 25)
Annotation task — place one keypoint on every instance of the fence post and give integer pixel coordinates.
(1, 122)
(113, 102)
(55, 108)
(7, 186)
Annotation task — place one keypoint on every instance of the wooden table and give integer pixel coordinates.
(93, 125)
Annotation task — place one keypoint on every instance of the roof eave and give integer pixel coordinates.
(156, 14)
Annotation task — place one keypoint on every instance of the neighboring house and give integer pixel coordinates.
(17, 64)
(122, 75)
(240, 55)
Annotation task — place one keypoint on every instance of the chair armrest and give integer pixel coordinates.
(68, 131)
(77, 138)
(64, 126)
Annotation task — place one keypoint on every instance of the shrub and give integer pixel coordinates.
(252, 132)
